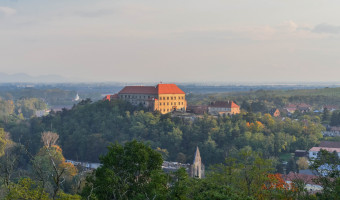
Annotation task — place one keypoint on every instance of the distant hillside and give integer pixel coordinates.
(22, 77)
(317, 97)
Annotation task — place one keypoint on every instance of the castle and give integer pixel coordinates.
(163, 97)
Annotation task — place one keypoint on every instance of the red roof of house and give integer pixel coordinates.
(331, 107)
(109, 97)
(139, 90)
(307, 179)
(329, 144)
(317, 149)
(169, 89)
(224, 104)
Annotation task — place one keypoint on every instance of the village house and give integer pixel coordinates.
(331, 131)
(331, 108)
(309, 180)
(223, 107)
(201, 109)
(275, 112)
(302, 107)
(313, 152)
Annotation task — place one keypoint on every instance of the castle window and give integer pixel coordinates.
(167, 98)
(171, 103)
(168, 103)
(175, 103)
(172, 98)
(175, 98)
(168, 109)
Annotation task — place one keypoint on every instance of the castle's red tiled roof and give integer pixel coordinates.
(139, 90)
(169, 89)
(159, 89)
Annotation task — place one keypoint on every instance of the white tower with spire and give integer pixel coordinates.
(77, 98)
(197, 168)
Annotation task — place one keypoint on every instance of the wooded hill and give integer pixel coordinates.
(87, 129)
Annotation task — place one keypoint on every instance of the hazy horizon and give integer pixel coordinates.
(228, 41)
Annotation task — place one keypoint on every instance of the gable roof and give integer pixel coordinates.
(169, 89)
(159, 89)
(138, 90)
(307, 179)
(329, 144)
(224, 104)
(272, 111)
(317, 149)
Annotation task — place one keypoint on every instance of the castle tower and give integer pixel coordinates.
(197, 168)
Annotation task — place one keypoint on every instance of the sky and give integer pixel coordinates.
(172, 40)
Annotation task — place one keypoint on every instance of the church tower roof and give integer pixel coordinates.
(197, 158)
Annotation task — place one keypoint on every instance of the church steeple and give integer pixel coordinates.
(197, 158)
(197, 168)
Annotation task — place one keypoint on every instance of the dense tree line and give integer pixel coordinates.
(88, 128)
(133, 171)
(21, 108)
(264, 100)
(44, 175)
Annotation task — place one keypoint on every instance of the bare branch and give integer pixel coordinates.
(49, 138)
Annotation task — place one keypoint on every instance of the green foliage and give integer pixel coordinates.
(88, 128)
(327, 166)
(51, 168)
(202, 189)
(3, 141)
(335, 118)
(132, 171)
(28, 106)
(26, 189)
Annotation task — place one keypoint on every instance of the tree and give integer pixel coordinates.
(50, 167)
(132, 171)
(26, 189)
(326, 116)
(327, 166)
(3, 141)
(49, 138)
(302, 162)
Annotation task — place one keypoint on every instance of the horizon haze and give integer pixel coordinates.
(172, 41)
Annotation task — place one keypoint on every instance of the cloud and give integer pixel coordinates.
(96, 13)
(326, 28)
(7, 11)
